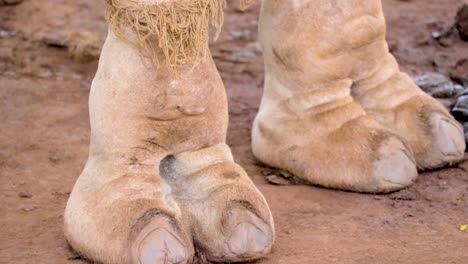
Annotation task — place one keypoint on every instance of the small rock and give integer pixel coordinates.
(444, 33)
(443, 185)
(447, 92)
(409, 215)
(54, 159)
(404, 195)
(243, 55)
(6, 34)
(241, 34)
(277, 180)
(460, 110)
(435, 83)
(268, 171)
(440, 87)
(461, 22)
(248, 53)
(29, 208)
(280, 177)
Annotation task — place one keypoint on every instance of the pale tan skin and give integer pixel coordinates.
(160, 177)
(336, 110)
(160, 182)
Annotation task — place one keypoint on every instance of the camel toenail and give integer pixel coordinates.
(161, 247)
(395, 166)
(250, 236)
(449, 138)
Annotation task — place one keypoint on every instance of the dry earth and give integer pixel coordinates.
(44, 133)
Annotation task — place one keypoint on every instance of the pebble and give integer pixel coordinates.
(403, 195)
(241, 34)
(440, 87)
(29, 208)
(6, 34)
(460, 110)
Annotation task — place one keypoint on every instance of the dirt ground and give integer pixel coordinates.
(44, 134)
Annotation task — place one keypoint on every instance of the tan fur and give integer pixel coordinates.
(172, 32)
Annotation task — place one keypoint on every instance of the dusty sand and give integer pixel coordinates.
(44, 134)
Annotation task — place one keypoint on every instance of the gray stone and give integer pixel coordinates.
(438, 85)
(460, 110)
(466, 132)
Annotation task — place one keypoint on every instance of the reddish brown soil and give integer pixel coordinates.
(44, 135)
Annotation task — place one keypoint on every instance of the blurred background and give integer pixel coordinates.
(49, 51)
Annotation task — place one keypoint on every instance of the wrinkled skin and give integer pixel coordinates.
(336, 110)
(160, 178)
(160, 182)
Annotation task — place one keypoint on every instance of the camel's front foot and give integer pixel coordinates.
(200, 201)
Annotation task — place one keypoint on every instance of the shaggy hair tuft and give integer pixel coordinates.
(171, 33)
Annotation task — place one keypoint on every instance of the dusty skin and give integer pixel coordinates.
(331, 86)
(161, 186)
(40, 156)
